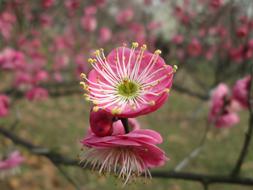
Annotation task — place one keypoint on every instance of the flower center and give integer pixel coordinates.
(128, 88)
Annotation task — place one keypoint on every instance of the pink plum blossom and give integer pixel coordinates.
(41, 76)
(4, 105)
(105, 35)
(128, 82)
(10, 164)
(7, 21)
(90, 11)
(11, 59)
(48, 3)
(216, 3)
(194, 48)
(241, 91)
(124, 16)
(222, 113)
(89, 23)
(37, 93)
(177, 39)
(127, 155)
(242, 31)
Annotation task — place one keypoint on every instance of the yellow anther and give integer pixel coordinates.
(167, 90)
(115, 111)
(90, 60)
(87, 99)
(158, 52)
(85, 86)
(95, 108)
(175, 67)
(144, 47)
(135, 44)
(95, 102)
(152, 103)
(97, 52)
(82, 75)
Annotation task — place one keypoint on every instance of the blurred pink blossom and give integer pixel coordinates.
(10, 165)
(90, 11)
(7, 21)
(124, 16)
(241, 91)
(48, 3)
(222, 111)
(216, 3)
(242, 31)
(89, 23)
(4, 105)
(177, 39)
(105, 35)
(11, 59)
(194, 47)
(36, 94)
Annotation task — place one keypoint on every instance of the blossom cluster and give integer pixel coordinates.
(128, 83)
(225, 104)
(10, 165)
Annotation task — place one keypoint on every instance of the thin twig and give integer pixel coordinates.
(194, 152)
(68, 178)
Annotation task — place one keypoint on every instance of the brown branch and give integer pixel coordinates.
(59, 159)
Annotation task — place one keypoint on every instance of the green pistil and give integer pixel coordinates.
(128, 88)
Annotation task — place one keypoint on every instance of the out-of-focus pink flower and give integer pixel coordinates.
(194, 48)
(72, 5)
(81, 64)
(127, 155)
(228, 119)
(221, 111)
(242, 31)
(4, 105)
(100, 3)
(7, 21)
(23, 80)
(138, 31)
(10, 164)
(90, 10)
(241, 91)
(58, 77)
(153, 25)
(89, 23)
(36, 94)
(236, 54)
(46, 20)
(105, 35)
(40, 76)
(177, 39)
(61, 61)
(129, 82)
(124, 16)
(11, 59)
(48, 3)
(216, 3)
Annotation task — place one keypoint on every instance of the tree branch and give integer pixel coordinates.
(59, 159)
